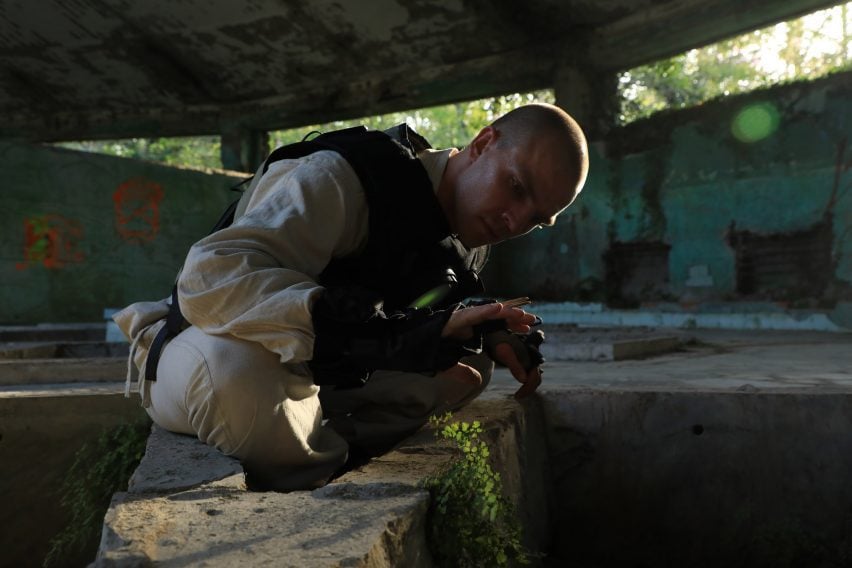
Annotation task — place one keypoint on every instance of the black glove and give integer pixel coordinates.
(526, 346)
(353, 338)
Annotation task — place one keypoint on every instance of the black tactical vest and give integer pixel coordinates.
(410, 258)
(409, 250)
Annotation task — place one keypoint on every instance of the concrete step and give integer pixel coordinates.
(572, 343)
(711, 316)
(61, 350)
(51, 371)
(53, 332)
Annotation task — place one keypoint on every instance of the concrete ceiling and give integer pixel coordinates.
(86, 69)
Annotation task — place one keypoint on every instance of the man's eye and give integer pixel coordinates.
(517, 188)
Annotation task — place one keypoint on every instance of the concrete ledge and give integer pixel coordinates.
(229, 527)
(173, 463)
(187, 504)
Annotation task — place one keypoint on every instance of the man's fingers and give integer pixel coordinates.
(530, 385)
(462, 322)
(505, 355)
(518, 320)
(513, 316)
(518, 327)
(530, 380)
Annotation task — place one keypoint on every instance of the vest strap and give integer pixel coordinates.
(174, 325)
(175, 321)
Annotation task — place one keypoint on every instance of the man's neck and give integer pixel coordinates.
(446, 189)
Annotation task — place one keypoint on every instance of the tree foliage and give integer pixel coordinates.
(445, 126)
(807, 47)
(189, 151)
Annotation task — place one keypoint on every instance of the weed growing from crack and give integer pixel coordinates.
(99, 470)
(471, 523)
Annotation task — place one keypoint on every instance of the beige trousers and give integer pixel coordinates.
(238, 397)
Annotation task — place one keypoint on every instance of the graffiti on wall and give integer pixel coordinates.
(51, 240)
(137, 209)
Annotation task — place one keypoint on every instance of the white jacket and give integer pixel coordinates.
(257, 279)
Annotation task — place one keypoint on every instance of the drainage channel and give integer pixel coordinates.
(599, 477)
(703, 479)
(60, 388)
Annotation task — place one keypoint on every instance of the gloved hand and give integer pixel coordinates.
(524, 346)
(353, 338)
(520, 353)
(517, 350)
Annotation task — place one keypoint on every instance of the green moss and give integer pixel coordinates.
(471, 522)
(99, 470)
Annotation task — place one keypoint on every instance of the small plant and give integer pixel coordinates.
(471, 522)
(99, 470)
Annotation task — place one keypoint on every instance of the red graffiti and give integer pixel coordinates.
(137, 209)
(51, 240)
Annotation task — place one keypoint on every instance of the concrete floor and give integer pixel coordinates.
(716, 360)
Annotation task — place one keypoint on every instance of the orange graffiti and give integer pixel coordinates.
(50, 240)
(137, 209)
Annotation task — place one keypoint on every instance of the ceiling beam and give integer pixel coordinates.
(643, 36)
(520, 70)
(674, 27)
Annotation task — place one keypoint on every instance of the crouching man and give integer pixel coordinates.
(325, 320)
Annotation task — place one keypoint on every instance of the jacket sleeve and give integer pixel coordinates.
(257, 280)
(355, 338)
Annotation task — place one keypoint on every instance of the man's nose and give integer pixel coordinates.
(510, 222)
(516, 221)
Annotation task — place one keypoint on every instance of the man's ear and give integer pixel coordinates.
(482, 140)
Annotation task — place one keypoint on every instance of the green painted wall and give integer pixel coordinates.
(682, 178)
(83, 232)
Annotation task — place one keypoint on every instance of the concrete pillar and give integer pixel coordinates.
(589, 96)
(243, 149)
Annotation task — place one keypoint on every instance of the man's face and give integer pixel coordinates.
(505, 191)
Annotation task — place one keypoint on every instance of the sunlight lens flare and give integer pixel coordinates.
(755, 122)
(431, 297)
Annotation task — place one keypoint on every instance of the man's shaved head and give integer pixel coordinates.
(539, 120)
(517, 174)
